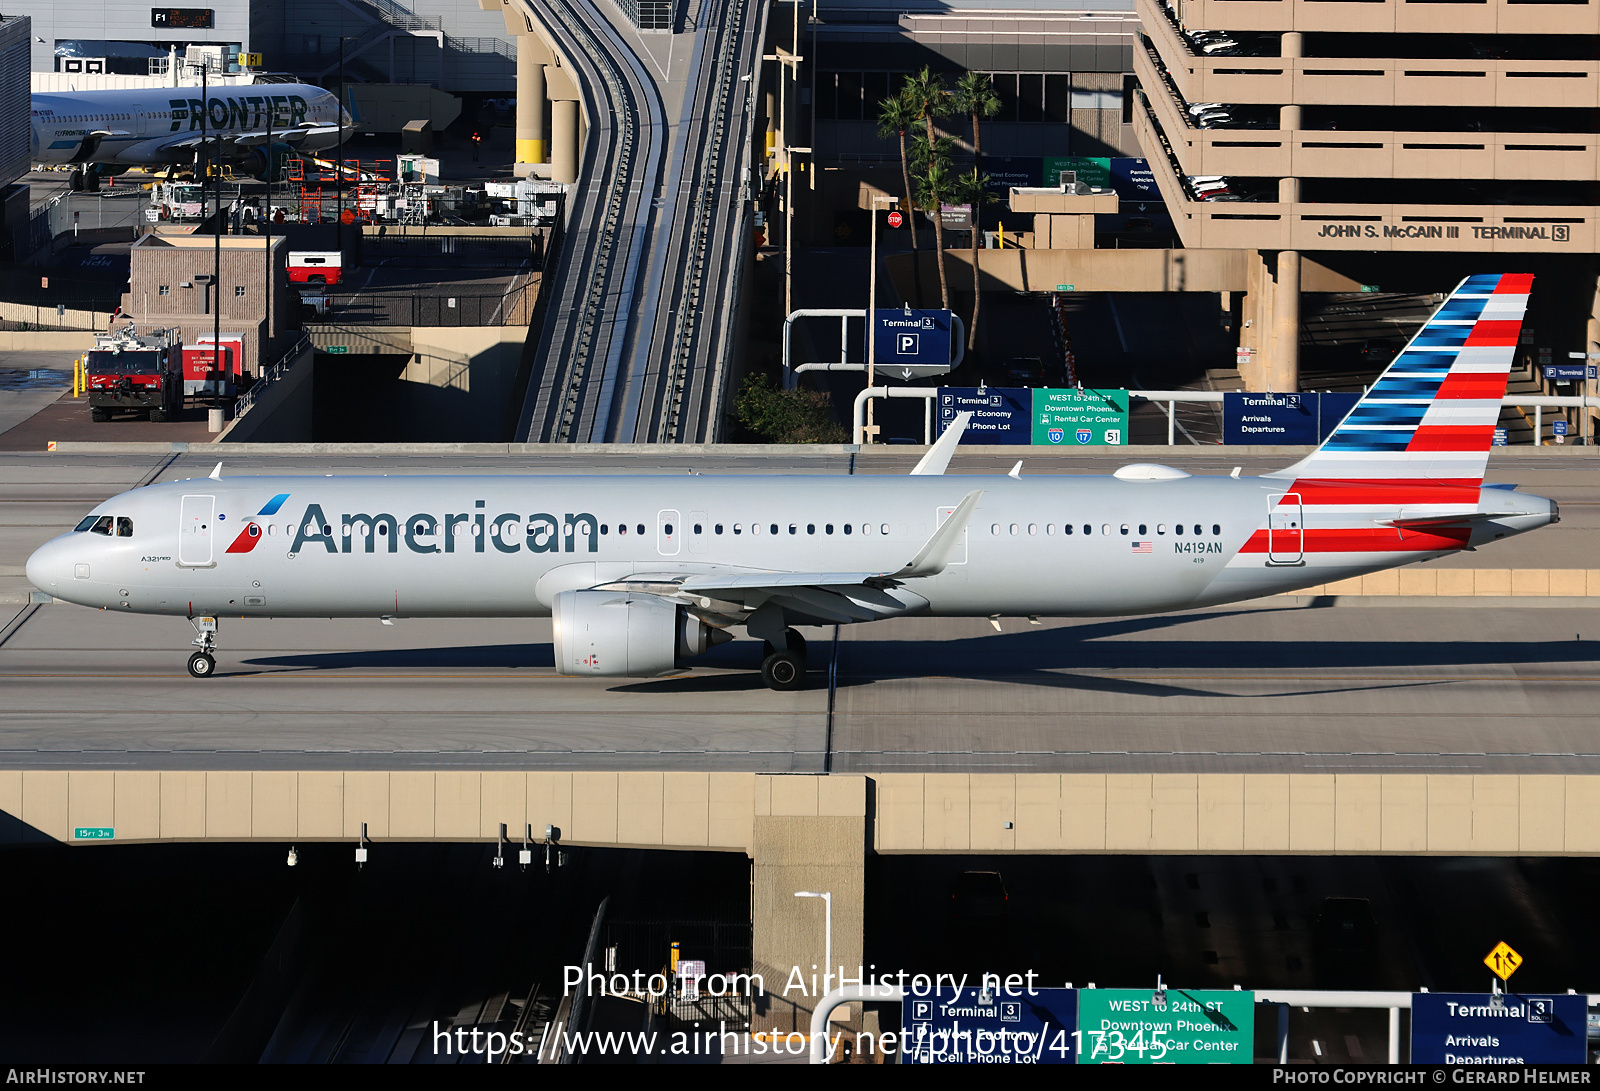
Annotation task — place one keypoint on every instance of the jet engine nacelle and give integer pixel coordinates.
(274, 160)
(625, 633)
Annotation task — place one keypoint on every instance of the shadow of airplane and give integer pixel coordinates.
(1052, 657)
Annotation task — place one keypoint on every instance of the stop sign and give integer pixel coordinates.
(895, 219)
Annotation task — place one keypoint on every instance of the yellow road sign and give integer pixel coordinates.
(1503, 961)
(250, 60)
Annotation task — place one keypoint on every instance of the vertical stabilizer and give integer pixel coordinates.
(1431, 415)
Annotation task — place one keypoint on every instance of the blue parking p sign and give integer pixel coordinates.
(908, 335)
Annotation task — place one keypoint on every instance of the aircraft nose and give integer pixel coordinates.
(49, 567)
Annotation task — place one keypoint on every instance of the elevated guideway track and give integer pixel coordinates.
(646, 303)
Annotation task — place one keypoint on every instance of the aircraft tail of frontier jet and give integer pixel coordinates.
(641, 573)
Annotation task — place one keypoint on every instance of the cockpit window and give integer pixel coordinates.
(124, 527)
(101, 525)
(88, 522)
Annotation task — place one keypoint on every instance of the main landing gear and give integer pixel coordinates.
(202, 664)
(784, 668)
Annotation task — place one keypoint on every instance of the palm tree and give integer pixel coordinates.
(974, 96)
(895, 118)
(973, 191)
(922, 153)
(928, 96)
(935, 189)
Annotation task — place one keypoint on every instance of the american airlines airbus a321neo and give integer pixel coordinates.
(641, 574)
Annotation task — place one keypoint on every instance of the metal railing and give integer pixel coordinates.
(272, 374)
(1171, 398)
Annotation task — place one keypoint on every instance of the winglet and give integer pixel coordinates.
(216, 473)
(932, 557)
(939, 455)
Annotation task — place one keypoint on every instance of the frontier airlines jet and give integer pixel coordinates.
(644, 573)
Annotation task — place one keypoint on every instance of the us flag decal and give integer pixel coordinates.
(1143, 547)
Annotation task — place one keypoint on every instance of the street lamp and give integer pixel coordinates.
(827, 929)
(214, 161)
(879, 200)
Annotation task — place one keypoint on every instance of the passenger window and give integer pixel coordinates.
(774, 528)
(1124, 528)
(719, 528)
(622, 528)
(793, 529)
(1197, 529)
(1161, 528)
(755, 528)
(866, 528)
(102, 525)
(738, 528)
(1142, 530)
(811, 528)
(1177, 528)
(1033, 528)
(668, 529)
(884, 529)
(1067, 529)
(699, 528)
(1013, 530)
(1216, 529)
(1105, 528)
(641, 528)
(828, 528)
(605, 528)
(847, 528)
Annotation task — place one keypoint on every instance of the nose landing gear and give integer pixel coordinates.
(202, 664)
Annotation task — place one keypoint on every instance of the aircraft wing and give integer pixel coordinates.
(828, 597)
(255, 139)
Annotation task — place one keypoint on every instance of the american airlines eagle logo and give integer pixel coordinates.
(250, 536)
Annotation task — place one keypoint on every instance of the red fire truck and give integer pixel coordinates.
(141, 373)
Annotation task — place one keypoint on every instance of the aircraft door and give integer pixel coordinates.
(1286, 529)
(669, 533)
(195, 524)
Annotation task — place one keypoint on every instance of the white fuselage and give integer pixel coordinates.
(161, 125)
(504, 546)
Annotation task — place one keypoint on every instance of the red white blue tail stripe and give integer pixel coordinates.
(1414, 449)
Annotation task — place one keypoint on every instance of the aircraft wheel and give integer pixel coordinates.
(783, 671)
(202, 665)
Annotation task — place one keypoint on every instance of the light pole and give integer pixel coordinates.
(879, 200)
(827, 930)
(212, 163)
